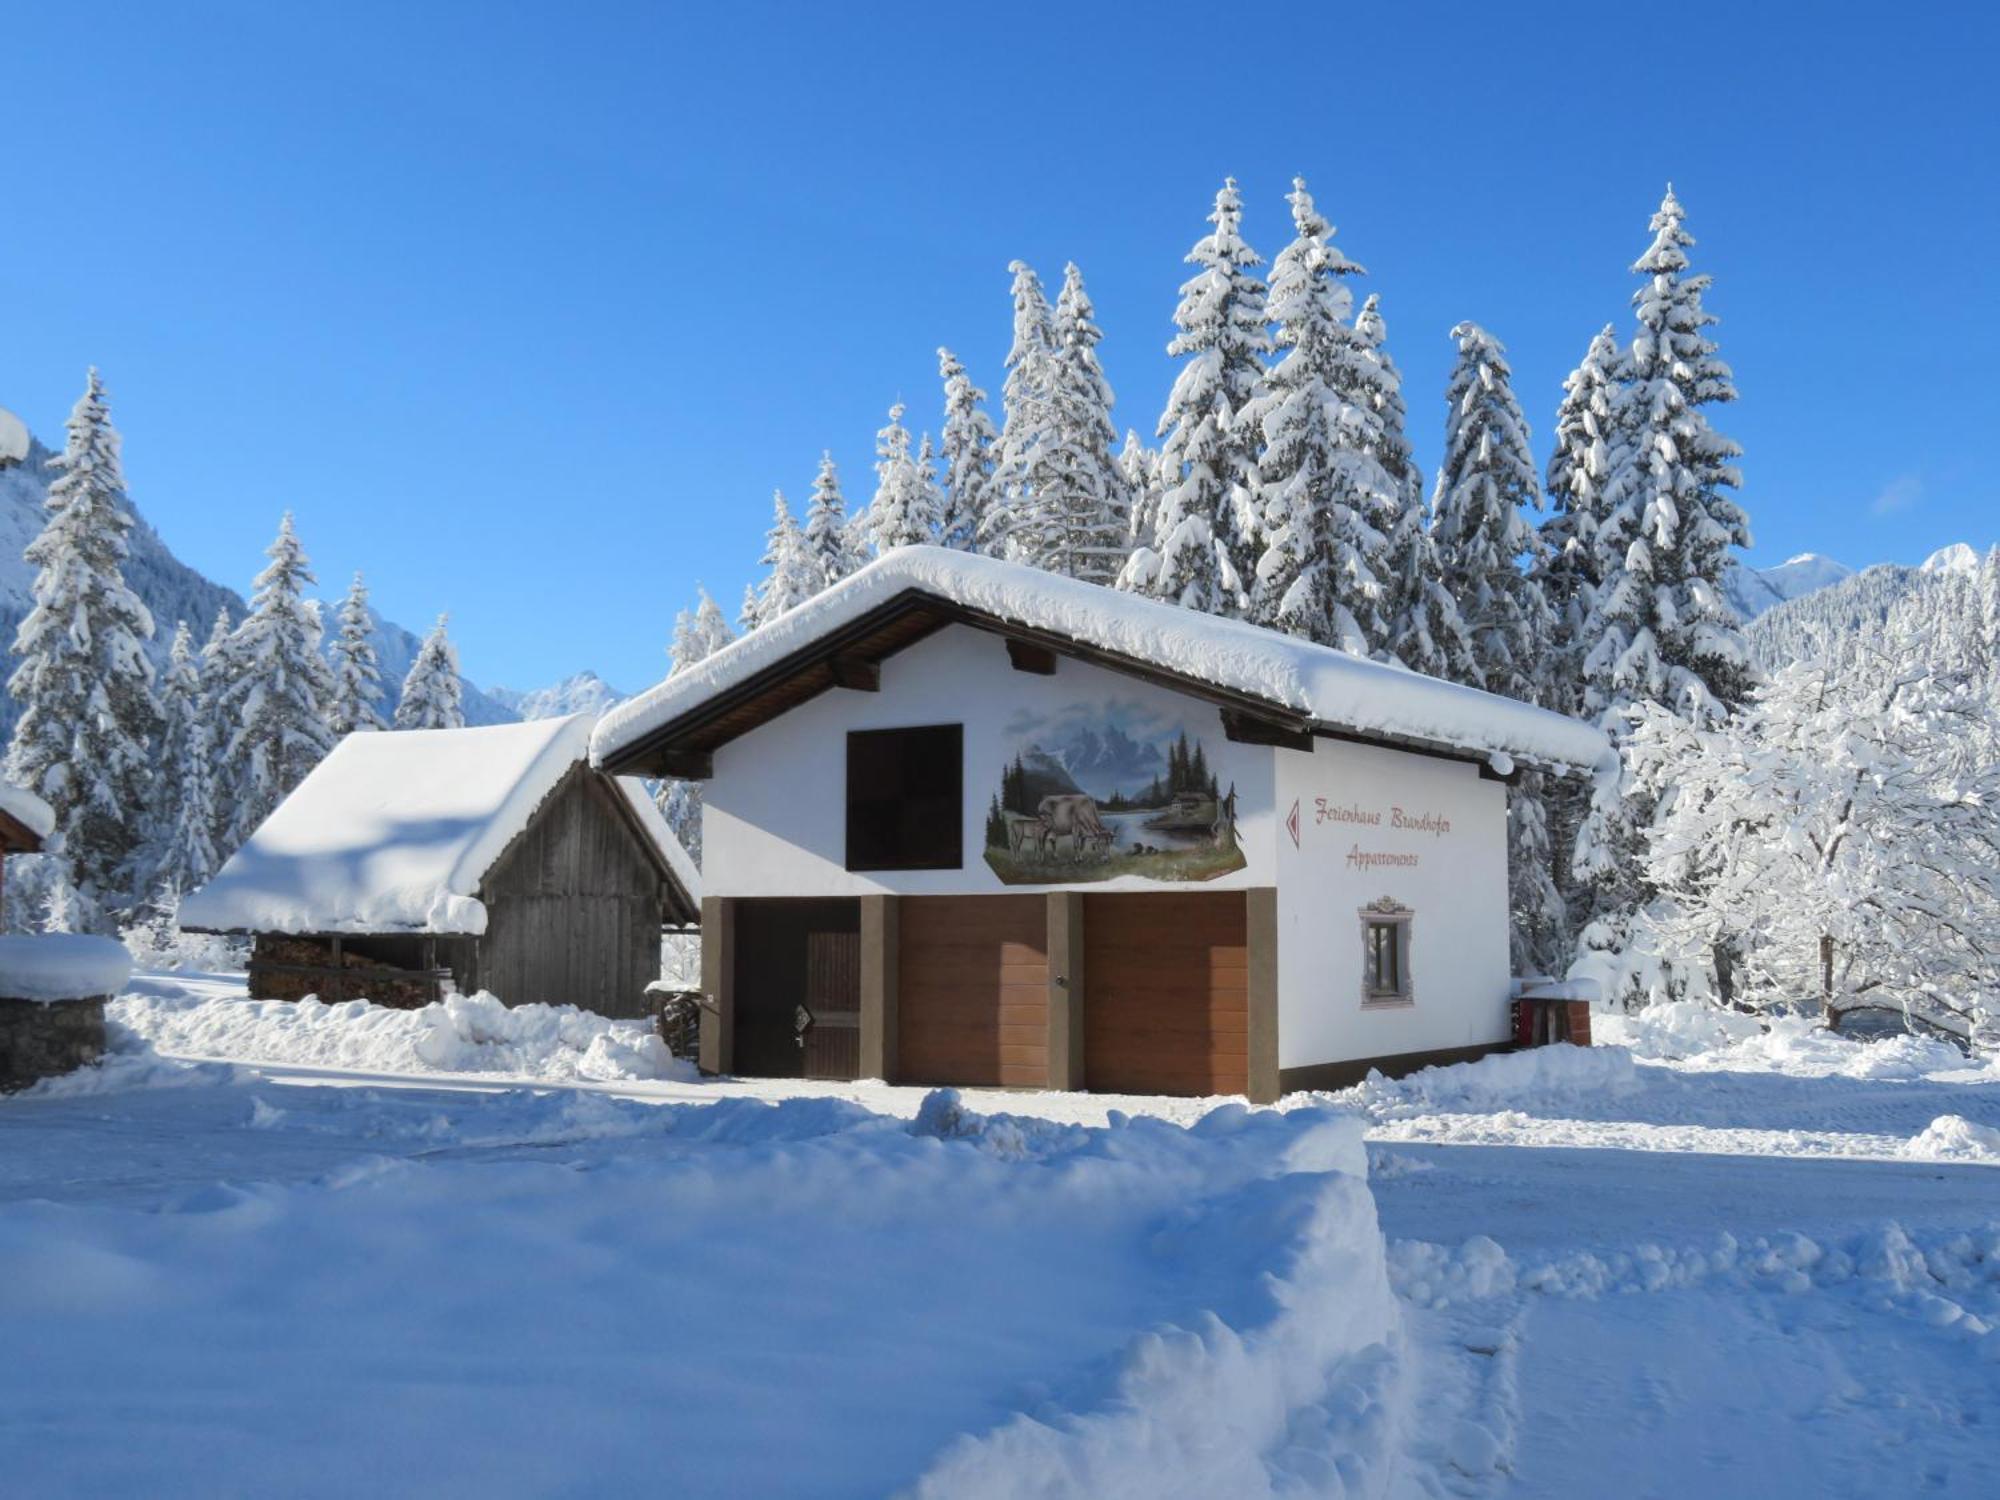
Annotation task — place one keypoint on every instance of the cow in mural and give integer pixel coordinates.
(1073, 815)
(1027, 834)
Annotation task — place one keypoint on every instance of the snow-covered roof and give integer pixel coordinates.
(1329, 689)
(52, 966)
(25, 808)
(394, 832)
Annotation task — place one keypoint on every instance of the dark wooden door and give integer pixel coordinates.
(1167, 993)
(830, 1028)
(794, 959)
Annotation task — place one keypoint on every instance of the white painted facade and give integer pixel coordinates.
(1373, 822)
(774, 813)
(1431, 836)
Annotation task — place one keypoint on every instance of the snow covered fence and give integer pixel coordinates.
(459, 1034)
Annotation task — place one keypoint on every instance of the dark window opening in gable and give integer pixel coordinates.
(905, 798)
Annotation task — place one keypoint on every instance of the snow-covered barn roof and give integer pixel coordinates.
(395, 831)
(28, 810)
(1276, 687)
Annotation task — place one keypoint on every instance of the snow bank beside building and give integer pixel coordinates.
(460, 1034)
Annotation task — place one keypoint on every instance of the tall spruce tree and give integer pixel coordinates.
(1028, 426)
(184, 804)
(357, 671)
(969, 446)
(433, 696)
(1204, 548)
(218, 668)
(903, 513)
(1485, 484)
(274, 696)
(89, 715)
(1660, 628)
(1321, 492)
(1424, 630)
(793, 575)
(1078, 515)
(832, 547)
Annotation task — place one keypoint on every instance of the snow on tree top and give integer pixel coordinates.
(1332, 688)
(25, 808)
(394, 831)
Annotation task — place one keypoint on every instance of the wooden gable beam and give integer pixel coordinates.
(856, 672)
(1249, 729)
(1026, 656)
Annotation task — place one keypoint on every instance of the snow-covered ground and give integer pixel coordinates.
(473, 1251)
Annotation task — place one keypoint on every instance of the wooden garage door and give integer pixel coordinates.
(972, 990)
(1167, 993)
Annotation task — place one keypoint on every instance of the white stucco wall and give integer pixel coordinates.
(1457, 888)
(774, 813)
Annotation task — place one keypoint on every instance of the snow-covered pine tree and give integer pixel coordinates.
(903, 512)
(89, 715)
(794, 575)
(1660, 629)
(1568, 562)
(1204, 549)
(184, 805)
(357, 673)
(969, 446)
(747, 611)
(1485, 483)
(1321, 492)
(1140, 468)
(1425, 631)
(218, 667)
(833, 549)
(698, 634)
(272, 701)
(1028, 421)
(433, 697)
(1079, 519)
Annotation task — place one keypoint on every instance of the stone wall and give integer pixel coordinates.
(45, 1039)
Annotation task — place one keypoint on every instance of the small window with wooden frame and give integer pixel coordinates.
(906, 798)
(1385, 954)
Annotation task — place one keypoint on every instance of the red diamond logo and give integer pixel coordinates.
(1292, 823)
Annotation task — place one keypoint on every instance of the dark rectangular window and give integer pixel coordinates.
(1385, 969)
(905, 798)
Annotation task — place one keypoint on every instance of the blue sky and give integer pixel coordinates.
(525, 309)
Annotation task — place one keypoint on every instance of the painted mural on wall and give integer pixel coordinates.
(1099, 790)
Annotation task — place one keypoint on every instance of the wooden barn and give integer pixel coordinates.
(491, 859)
(967, 822)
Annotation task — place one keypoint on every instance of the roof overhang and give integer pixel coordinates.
(850, 655)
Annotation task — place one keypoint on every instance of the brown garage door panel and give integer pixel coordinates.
(1166, 979)
(972, 990)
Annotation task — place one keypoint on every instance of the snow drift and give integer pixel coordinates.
(460, 1034)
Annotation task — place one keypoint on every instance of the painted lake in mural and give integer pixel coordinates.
(1101, 790)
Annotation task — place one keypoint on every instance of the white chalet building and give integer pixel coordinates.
(967, 822)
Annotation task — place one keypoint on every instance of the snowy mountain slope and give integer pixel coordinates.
(1932, 610)
(1957, 558)
(169, 588)
(1754, 590)
(585, 693)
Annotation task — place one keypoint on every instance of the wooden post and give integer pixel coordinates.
(1065, 944)
(339, 990)
(1261, 933)
(880, 937)
(718, 984)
